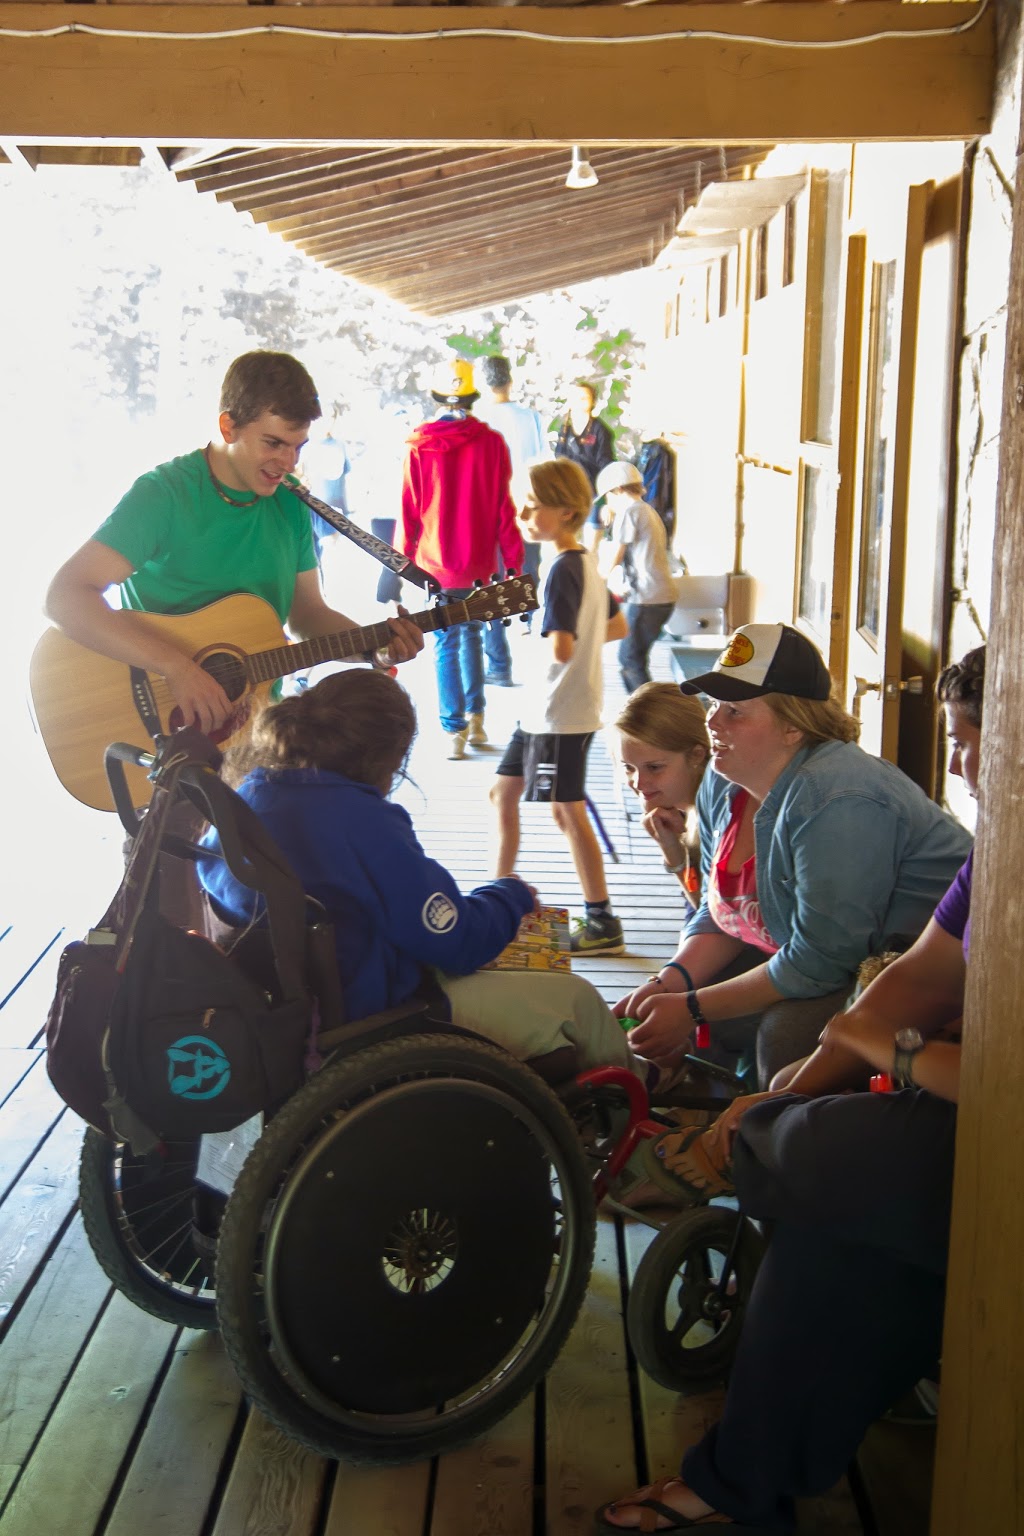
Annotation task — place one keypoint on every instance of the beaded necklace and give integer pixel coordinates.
(220, 489)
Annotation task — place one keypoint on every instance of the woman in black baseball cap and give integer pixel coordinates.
(814, 855)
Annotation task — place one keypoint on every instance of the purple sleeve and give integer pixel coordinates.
(953, 912)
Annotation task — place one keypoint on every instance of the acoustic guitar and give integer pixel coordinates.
(83, 700)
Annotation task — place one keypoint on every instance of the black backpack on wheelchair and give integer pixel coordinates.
(157, 1034)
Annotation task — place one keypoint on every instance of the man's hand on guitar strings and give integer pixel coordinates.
(199, 697)
(406, 638)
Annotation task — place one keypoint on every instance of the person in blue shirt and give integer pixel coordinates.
(814, 855)
(317, 769)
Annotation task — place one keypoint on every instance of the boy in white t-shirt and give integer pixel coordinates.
(640, 546)
(547, 756)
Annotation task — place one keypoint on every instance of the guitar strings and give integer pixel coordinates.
(225, 667)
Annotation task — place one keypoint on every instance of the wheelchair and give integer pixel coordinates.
(409, 1241)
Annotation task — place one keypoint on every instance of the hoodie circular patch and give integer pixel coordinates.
(439, 913)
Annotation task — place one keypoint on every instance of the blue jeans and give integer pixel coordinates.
(459, 665)
(646, 621)
(499, 657)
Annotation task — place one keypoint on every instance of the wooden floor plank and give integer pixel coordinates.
(23, 1016)
(21, 948)
(39, 1350)
(26, 1117)
(387, 1501)
(489, 1485)
(275, 1485)
(74, 1467)
(37, 1207)
(672, 1421)
(589, 1414)
(14, 1063)
(169, 1486)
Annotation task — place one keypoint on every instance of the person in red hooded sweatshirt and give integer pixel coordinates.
(457, 517)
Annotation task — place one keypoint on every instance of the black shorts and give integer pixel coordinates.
(553, 767)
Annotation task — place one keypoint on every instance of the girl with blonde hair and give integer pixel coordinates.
(664, 749)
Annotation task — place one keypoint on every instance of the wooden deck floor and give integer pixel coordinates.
(114, 1424)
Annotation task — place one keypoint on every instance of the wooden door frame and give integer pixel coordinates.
(848, 457)
(918, 200)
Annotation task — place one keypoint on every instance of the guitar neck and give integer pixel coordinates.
(346, 645)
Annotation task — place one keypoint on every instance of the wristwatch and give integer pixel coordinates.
(908, 1042)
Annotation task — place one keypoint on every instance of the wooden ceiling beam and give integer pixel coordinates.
(287, 171)
(438, 235)
(417, 161)
(491, 270)
(508, 212)
(452, 299)
(496, 258)
(888, 71)
(536, 178)
(241, 164)
(438, 173)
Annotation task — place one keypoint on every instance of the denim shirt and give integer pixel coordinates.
(849, 853)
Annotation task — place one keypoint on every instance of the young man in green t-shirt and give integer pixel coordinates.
(206, 525)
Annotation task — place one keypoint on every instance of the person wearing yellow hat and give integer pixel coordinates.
(457, 518)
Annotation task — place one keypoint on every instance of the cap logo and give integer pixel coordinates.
(737, 653)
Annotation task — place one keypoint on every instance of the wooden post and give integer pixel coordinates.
(979, 1474)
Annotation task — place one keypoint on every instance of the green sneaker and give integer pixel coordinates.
(597, 936)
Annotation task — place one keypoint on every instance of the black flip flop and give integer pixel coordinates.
(676, 1521)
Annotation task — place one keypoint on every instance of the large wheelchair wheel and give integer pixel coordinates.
(406, 1249)
(139, 1216)
(686, 1303)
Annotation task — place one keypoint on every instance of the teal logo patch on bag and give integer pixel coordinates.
(197, 1068)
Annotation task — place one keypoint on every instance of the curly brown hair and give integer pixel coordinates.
(359, 723)
(963, 683)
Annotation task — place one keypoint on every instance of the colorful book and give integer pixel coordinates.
(542, 944)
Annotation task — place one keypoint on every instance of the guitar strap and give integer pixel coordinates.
(377, 548)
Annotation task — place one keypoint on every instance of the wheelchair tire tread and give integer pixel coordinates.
(145, 1290)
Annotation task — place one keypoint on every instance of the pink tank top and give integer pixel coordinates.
(732, 898)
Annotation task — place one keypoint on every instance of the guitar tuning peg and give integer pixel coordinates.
(494, 576)
(506, 623)
(512, 572)
(477, 585)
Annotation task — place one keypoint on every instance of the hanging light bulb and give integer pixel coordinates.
(581, 172)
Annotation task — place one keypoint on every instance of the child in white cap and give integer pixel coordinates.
(639, 547)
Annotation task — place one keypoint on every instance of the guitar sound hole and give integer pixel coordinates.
(226, 670)
(230, 673)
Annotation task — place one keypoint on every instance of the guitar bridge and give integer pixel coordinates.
(145, 703)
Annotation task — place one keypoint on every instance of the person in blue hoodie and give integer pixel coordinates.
(317, 768)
